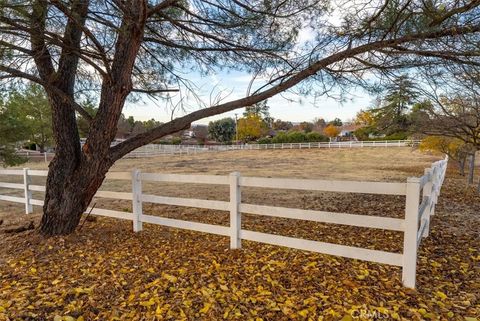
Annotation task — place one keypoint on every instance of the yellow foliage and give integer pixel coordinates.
(251, 127)
(331, 131)
(365, 117)
(441, 144)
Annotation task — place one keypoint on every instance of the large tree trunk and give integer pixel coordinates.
(70, 190)
(72, 178)
(75, 175)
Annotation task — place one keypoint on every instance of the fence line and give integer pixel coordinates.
(152, 150)
(415, 224)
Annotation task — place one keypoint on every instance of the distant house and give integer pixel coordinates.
(347, 130)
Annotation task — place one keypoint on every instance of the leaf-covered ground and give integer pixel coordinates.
(107, 272)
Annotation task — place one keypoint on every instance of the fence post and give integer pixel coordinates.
(434, 182)
(410, 235)
(137, 200)
(28, 192)
(427, 191)
(235, 215)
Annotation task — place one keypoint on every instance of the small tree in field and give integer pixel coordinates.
(128, 49)
(331, 131)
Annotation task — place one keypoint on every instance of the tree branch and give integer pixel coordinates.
(154, 91)
(180, 123)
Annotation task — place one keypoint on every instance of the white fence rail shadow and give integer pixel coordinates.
(415, 224)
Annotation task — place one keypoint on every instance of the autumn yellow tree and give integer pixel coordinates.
(453, 147)
(331, 131)
(251, 127)
(365, 118)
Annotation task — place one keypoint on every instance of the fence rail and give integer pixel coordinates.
(152, 150)
(421, 196)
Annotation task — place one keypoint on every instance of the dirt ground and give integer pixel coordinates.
(106, 272)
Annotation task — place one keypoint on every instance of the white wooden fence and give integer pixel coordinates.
(33, 155)
(152, 150)
(415, 225)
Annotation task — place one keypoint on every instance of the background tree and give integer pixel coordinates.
(262, 111)
(315, 137)
(30, 106)
(365, 118)
(336, 122)
(127, 49)
(12, 130)
(331, 131)
(306, 126)
(138, 128)
(454, 109)
(453, 147)
(279, 124)
(319, 125)
(251, 127)
(399, 95)
(222, 130)
(151, 123)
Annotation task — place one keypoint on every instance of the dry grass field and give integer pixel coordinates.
(106, 272)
